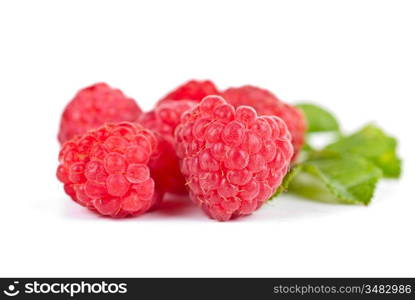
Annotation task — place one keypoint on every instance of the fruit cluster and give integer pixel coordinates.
(228, 150)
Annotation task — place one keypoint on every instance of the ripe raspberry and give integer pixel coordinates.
(267, 103)
(164, 120)
(194, 90)
(94, 106)
(232, 160)
(106, 169)
(165, 117)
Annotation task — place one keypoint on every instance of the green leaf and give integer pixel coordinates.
(319, 119)
(287, 180)
(372, 143)
(336, 178)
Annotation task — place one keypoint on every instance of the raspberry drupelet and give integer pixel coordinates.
(106, 169)
(94, 106)
(266, 103)
(194, 90)
(164, 120)
(232, 159)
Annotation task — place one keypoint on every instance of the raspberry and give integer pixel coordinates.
(165, 117)
(232, 160)
(194, 90)
(107, 169)
(94, 106)
(266, 103)
(164, 120)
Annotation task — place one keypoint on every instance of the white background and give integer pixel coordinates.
(354, 57)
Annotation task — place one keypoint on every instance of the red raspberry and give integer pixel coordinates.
(165, 117)
(106, 169)
(267, 103)
(194, 90)
(94, 106)
(164, 120)
(232, 160)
